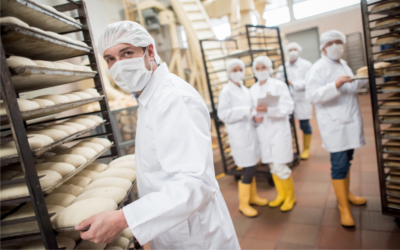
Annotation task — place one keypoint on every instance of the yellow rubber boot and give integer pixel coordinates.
(254, 198)
(280, 190)
(244, 200)
(346, 219)
(290, 200)
(355, 200)
(306, 147)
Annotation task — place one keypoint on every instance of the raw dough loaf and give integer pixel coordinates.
(120, 242)
(60, 167)
(385, 5)
(62, 242)
(67, 129)
(20, 189)
(88, 153)
(18, 61)
(72, 98)
(26, 105)
(98, 167)
(388, 54)
(27, 211)
(103, 141)
(68, 189)
(109, 182)
(75, 125)
(114, 193)
(84, 121)
(387, 39)
(70, 66)
(54, 134)
(92, 92)
(94, 118)
(58, 199)
(387, 21)
(43, 103)
(58, 65)
(13, 20)
(127, 233)
(86, 245)
(57, 99)
(79, 181)
(79, 211)
(43, 139)
(125, 164)
(74, 160)
(123, 173)
(122, 159)
(44, 64)
(87, 173)
(82, 95)
(75, 235)
(95, 146)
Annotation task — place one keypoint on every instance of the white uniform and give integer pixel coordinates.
(274, 133)
(234, 109)
(337, 110)
(296, 73)
(180, 205)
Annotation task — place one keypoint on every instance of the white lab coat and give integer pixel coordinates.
(296, 73)
(180, 205)
(337, 110)
(274, 133)
(234, 109)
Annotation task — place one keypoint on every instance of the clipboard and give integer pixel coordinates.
(269, 101)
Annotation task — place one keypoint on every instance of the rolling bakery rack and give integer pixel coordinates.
(246, 43)
(382, 44)
(21, 41)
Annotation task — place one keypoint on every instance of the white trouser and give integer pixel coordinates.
(281, 170)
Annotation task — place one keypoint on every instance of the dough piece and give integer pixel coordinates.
(363, 71)
(103, 141)
(68, 189)
(75, 235)
(120, 242)
(123, 173)
(122, 159)
(84, 121)
(86, 245)
(387, 21)
(387, 39)
(61, 66)
(94, 118)
(92, 92)
(79, 181)
(63, 200)
(62, 242)
(73, 159)
(98, 167)
(114, 193)
(26, 105)
(95, 146)
(60, 167)
(57, 99)
(87, 173)
(74, 125)
(19, 61)
(43, 139)
(43, 103)
(72, 98)
(385, 5)
(82, 95)
(114, 248)
(70, 66)
(54, 134)
(21, 190)
(67, 129)
(27, 211)
(109, 182)
(81, 210)
(44, 64)
(88, 153)
(390, 54)
(127, 233)
(13, 20)
(125, 164)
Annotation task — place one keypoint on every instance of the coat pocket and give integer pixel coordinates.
(175, 235)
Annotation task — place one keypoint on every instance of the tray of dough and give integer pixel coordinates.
(393, 88)
(390, 117)
(37, 152)
(41, 16)
(54, 109)
(387, 42)
(393, 179)
(28, 78)
(385, 7)
(36, 45)
(360, 78)
(386, 26)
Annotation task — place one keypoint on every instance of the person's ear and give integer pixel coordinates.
(150, 52)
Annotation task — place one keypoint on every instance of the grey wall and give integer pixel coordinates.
(309, 41)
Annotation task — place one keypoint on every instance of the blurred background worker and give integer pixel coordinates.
(273, 130)
(332, 90)
(235, 110)
(296, 69)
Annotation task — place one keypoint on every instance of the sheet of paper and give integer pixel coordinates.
(269, 101)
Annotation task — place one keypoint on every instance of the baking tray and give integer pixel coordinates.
(15, 158)
(385, 43)
(22, 41)
(37, 16)
(36, 113)
(386, 26)
(360, 78)
(28, 78)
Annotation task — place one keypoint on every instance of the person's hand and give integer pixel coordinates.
(290, 83)
(261, 108)
(342, 80)
(104, 227)
(258, 119)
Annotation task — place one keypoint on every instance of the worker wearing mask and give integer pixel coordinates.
(274, 131)
(180, 205)
(296, 69)
(235, 110)
(332, 90)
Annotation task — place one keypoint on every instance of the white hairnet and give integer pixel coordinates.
(126, 32)
(294, 45)
(331, 35)
(264, 60)
(233, 63)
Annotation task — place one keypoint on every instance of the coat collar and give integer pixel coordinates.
(153, 83)
(324, 57)
(234, 86)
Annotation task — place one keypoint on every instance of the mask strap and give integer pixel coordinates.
(151, 65)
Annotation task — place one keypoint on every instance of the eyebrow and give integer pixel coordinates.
(122, 50)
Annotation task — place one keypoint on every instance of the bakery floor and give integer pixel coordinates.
(314, 222)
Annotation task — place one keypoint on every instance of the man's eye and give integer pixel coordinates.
(128, 53)
(110, 60)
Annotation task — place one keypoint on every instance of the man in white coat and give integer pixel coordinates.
(180, 205)
(296, 69)
(332, 90)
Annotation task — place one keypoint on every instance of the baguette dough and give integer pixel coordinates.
(86, 245)
(43, 103)
(44, 64)
(19, 61)
(58, 65)
(13, 20)
(123, 173)
(84, 121)
(94, 118)
(26, 105)
(120, 242)
(62, 242)
(91, 91)
(74, 160)
(103, 141)
(88, 153)
(72, 98)
(68, 189)
(58, 199)
(81, 210)
(87, 173)
(122, 159)
(114, 193)
(98, 167)
(109, 182)
(67, 129)
(74, 125)
(43, 139)
(27, 211)
(95, 146)
(79, 181)
(60, 167)
(125, 164)
(57, 99)
(127, 233)
(82, 95)
(54, 134)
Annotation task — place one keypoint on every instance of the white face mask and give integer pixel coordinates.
(130, 74)
(293, 55)
(335, 51)
(262, 75)
(237, 77)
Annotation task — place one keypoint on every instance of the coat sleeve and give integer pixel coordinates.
(285, 105)
(227, 113)
(280, 75)
(182, 139)
(316, 91)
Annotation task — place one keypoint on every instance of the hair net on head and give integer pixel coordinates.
(126, 32)
(329, 36)
(294, 45)
(264, 60)
(233, 63)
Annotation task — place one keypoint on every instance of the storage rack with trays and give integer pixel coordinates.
(258, 40)
(53, 49)
(388, 163)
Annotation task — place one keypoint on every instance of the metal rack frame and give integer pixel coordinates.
(227, 161)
